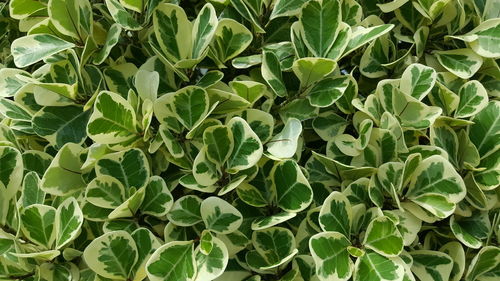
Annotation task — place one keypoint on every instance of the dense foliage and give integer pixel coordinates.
(293, 140)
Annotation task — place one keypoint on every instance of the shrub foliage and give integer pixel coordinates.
(293, 140)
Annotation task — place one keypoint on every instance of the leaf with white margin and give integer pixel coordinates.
(204, 28)
(30, 49)
(113, 119)
(347, 144)
(219, 142)
(485, 131)
(130, 167)
(65, 165)
(484, 266)
(205, 171)
(65, 16)
(206, 242)
(190, 106)
(31, 192)
(361, 35)
(13, 110)
(455, 250)
(293, 192)
(20, 9)
(329, 251)
(436, 186)
(320, 25)
(418, 80)
(464, 63)
(471, 230)
(186, 211)
(336, 214)
(213, 264)
(431, 265)
(122, 16)
(112, 255)
(273, 247)
(327, 91)
(374, 267)
(60, 125)
(68, 221)
(413, 113)
(284, 144)
(158, 200)
(230, 39)
(484, 39)
(408, 225)
(310, 70)
(112, 38)
(9, 83)
(473, 99)
(247, 148)
(106, 192)
(286, 8)
(383, 237)
(174, 261)
(148, 243)
(130, 206)
(251, 195)
(271, 72)
(37, 224)
(220, 216)
(273, 220)
(11, 171)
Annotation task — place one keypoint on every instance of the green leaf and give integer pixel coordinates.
(464, 63)
(37, 224)
(113, 120)
(174, 261)
(471, 230)
(484, 38)
(329, 251)
(473, 99)
(219, 216)
(320, 25)
(68, 221)
(14, 111)
(112, 255)
(383, 237)
(30, 49)
(20, 9)
(293, 192)
(286, 8)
